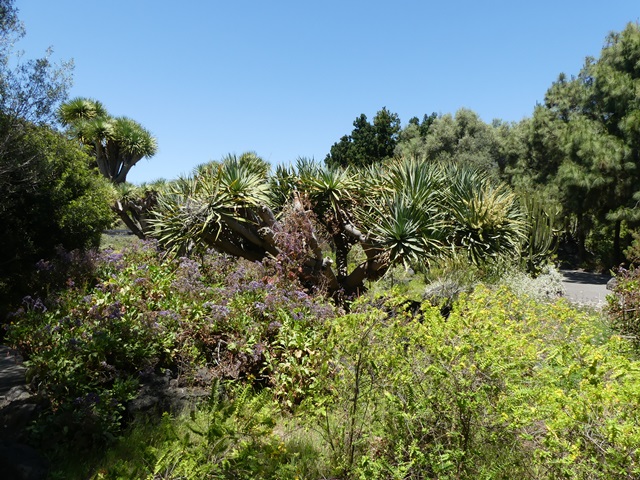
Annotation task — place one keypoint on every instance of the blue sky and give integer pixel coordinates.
(287, 78)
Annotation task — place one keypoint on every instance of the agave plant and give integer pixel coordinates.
(404, 212)
(486, 219)
(282, 185)
(541, 240)
(223, 206)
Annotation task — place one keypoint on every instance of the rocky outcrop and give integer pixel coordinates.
(163, 393)
(18, 408)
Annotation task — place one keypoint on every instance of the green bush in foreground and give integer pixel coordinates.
(504, 388)
(88, 349)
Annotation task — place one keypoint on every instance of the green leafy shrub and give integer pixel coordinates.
(233, 434)
(88, 348)
(503, 388)
(227, 438)
(624, 304)
(51, 198)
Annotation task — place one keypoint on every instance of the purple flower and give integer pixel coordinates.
(43, 265)
(92, 397)
(218, 312)
(273, 328)
(113, 258)
(34, 304)
(169, 314)
(188, 277)
(300, 295)
(114, 310)
(254, 285)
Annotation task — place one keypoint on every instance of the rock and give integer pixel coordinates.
(14, 419)
(161, 393)
(612, 284)
(144, 402)
(203, 376)
(18, 393)
(21, 462)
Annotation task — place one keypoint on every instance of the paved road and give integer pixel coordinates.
(586, 288)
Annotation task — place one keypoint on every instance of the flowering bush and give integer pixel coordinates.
(87, 348)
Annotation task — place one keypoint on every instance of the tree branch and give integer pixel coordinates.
(232, 249)
(247, 234)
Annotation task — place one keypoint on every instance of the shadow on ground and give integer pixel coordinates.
(587, 278)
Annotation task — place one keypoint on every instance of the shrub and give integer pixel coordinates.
(50, 198)
(624, 304)
(503, 388)
(546, 286)
(143, 313)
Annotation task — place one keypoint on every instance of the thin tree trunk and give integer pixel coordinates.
(617, 254)
(131, 225)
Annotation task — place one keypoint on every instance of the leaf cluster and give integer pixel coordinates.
(116, 143)
(50, 198)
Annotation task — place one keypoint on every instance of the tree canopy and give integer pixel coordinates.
(29, 89)
(462, 138)
(117, 143)
(368, 143)
(583, 144)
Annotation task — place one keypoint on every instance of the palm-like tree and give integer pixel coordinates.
(117, 143)
(402, 212)
(486, 220)
(404, 215)
(223, 205)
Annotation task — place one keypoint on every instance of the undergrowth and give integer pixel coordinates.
(505, 385)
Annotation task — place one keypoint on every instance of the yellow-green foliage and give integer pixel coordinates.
(231, 436)
(503, 388)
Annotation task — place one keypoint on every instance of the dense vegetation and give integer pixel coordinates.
(50, 196)
(393, 313)
(503, 385)
(402, 212)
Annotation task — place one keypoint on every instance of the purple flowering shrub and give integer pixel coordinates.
(87, 348)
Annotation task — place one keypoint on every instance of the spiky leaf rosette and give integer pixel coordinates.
(486, 220)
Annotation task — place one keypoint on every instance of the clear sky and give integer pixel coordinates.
(287, 78)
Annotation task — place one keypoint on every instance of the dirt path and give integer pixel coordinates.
(585, 288)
